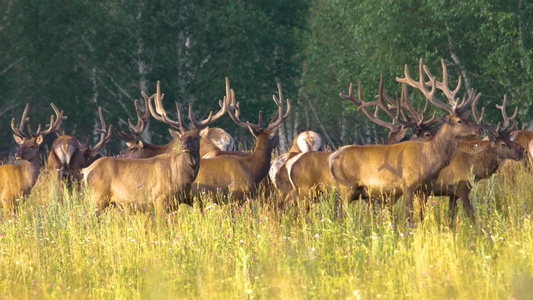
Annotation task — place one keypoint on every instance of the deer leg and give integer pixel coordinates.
(408, 198)
(452, 204)
(346, 194)
(423, 199)
(463, 192)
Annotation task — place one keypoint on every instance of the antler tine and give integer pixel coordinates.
(418, 117)
(103, 138)
(421, 85)
(47, 131)
(159, 112)
(362, 105)
(59, 120)
(382, 96)
(279, 117)
(127, 137)
(18, 129)
(508, 124)
(213, 117)
(443, 86)
(234, 111)
(491, 130)
(142, 116)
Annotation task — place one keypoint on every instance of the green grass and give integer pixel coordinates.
(52, 250)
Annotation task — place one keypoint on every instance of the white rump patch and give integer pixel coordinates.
(309, 141)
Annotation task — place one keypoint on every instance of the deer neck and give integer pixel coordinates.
(31, 169)
(259, 160)
(485, 163)
(443, 146)
(189, 164)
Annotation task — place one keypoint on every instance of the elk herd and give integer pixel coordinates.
(438, 158)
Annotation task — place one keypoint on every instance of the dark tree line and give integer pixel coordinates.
(83, 54)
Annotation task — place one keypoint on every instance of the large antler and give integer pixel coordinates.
(160, 114)
(18, 130)
(363, 106)
(142, 121)
(415, 119)
(53, 126)
(496, 131)
(234, 113)
(103, 130)
(454, 107)
(59, 120)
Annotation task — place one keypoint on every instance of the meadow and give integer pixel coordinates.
(64, 250)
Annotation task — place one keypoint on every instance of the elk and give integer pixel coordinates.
(68, 156)
(211, 138)
(16, 180)
(306, 141)
(530, 151)
(236, 174)
(374, 171)
(156, 180)
(473, 145)
(453, 180)
(310, 171)
(522, 137)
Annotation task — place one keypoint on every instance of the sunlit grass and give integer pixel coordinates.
(54, 250)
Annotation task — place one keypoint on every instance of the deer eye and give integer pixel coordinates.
(459, 121)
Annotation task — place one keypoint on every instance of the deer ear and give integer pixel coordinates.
(204, 132)
(39, 139)
(252, 131)
(175, 134)
(18, 139)
(141, 144)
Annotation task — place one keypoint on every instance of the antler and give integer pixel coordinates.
(160, 114)
(362, 105)
(279, 117)
(454, 108)
(508, 123)
(103, 137)
(18, 129)
(57, 125)
(496, 131)
(142, 120)
(234, 113)
(53, 126)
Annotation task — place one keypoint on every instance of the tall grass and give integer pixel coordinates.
(62, 250)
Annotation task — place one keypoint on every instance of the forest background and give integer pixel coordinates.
(81, 54)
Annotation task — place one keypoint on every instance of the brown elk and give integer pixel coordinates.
(156, 180)
(522, 137)
(473, 145)
(306, 141)
(68, 156)
(454, 179)
(16, 180)
(211, 138)
(374, 171)
(240, 175)
(309, 173)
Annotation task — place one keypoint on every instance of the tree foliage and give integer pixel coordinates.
(83, 54)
